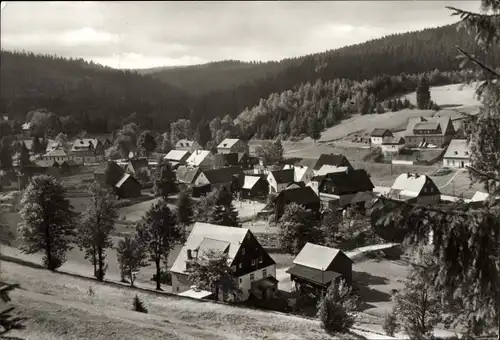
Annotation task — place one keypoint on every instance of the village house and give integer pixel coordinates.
(87, 150)
(253, 269)
(337, 160)
(422, 132)
(128, 187)
(301, 173)
(392, 144)
(414, 188)
(58, 155)
(234, 159)
(203, 159)
(377, 136)
(187, 145)
(186, 176)
(316, 267)
(177, 157)
(280, 179)
(338, 189)
(303, 196)
(232, 145)
(457, 154)
(209, 180)
(254, 187)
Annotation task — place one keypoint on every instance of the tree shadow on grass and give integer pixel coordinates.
(372, 295)
(365, 279)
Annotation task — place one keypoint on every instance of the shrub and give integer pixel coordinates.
(334, 309)
(390, 324)
(165, 277)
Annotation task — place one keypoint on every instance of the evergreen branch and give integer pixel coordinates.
(467, 14)
(488, 175)
(478, 62)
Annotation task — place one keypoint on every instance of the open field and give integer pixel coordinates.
(64, 309)
(450, 95)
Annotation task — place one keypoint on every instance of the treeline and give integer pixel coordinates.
(295, 113)
(98, 98)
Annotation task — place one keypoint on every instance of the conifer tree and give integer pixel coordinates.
(9, 322)
(335, 308)
(423, 94)
(48, 225)
(185, 210)
(164, 179)
(314, 128)
(138, 305)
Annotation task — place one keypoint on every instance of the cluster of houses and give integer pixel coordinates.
(426, 132)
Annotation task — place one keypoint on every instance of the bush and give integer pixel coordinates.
(334, 309)
(165, 277)
(138, 305)
(390, 324)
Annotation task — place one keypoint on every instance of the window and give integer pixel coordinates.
(241, 280)
(242, 251)
(239, 266)
(264, 272)
(254, 262)
(252, 277)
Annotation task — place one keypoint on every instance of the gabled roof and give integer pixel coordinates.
(222, 175)
(250, 181)
(328, 169)
(458, 148)
(409, 185)
(299, 171)
(212, 244)
(184, 143)
(421, 123)
(125, 178)
(200, 232)
(187, 174)
(301, 195)
(228, 143)
(55, 153)
(316, 256)
(197, 157)
(176, 155)
(426, 126)
(84, 143)
(398, 140)
(350, 181)
(479, 196)
(380, 132)
(331, 159)
(283, 176)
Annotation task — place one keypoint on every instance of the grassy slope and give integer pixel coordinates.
(63, 309)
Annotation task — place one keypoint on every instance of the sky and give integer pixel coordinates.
(150, 34)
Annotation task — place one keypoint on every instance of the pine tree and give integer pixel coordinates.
(314, 128)
(96, 225)
(48, 221)
(423, 94)
(417, 306)
(159, 232)
(8, 322)
(164, 179)
(138, 305)
(390, 324)
(131, 255)
(335, 308)
(146, 143)
(185, 210)
(224, 215)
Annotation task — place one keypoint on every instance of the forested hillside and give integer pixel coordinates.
(98, 98)
(410, 53)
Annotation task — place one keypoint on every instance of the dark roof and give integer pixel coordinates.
(301, 196)
(331, 159)
(393, 140)
(138, 163)
(379, 132)
(222, 175)
(284, 176)
(126, 178)
(313, 275)
(230, 158)
(187, 174)
(350, 181)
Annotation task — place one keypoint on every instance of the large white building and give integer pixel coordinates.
(457, 154)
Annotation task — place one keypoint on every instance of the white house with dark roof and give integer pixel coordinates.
(280, 179)
(416, 188)
(253, 269)
(87, 150)
(315, 267)
(232, 145)
(377, 135)
(187, 145)
(457, 154)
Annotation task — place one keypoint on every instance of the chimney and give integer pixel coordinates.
(190, 256)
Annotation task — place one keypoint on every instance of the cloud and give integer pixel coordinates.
(180, 33)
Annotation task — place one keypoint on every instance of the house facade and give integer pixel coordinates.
(232, 145)
(254, 271)
(56, 155)
(377, 136)
(338, 189)
(392, 144)
(316, 267)
(422, 131)
(280, 179)
(457, 154)
(187, 145)
(87, 150)
(415, 188)
(218, 178)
